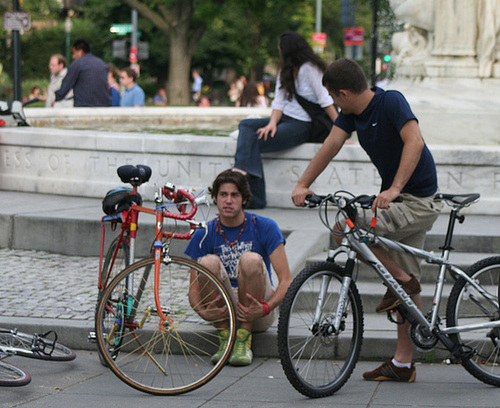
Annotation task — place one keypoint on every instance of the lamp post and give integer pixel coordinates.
(318, 16)
(16, 43)
(68, 25)
(374, 42)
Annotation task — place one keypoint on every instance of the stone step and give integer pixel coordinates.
(429, 271)
(379, 338)
(372, 292)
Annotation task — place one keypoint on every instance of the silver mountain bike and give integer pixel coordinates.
(320, 328)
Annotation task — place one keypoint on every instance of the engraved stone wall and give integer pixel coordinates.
(84, 163)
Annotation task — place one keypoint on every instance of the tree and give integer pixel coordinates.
(180, 21)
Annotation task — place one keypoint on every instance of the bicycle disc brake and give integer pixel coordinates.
(494, 335)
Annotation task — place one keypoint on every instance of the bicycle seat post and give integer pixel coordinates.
(446, 248)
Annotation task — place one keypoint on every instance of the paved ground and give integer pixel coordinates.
(53, 286)
(84, 383)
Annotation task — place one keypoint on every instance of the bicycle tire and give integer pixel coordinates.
(316, 363)
(111, 269)
(153, 358)
(121, 262)
(34, 346)
(12, 376)
(467, 306)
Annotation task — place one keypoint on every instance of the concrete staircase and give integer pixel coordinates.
(71, 226)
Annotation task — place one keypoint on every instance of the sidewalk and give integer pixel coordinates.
(84, 383)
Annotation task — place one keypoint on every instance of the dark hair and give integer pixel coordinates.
(345, 74)
(82, 44)
(249, 94)
(132, 73)
(114, 70)
(295, 51)
(236, 178)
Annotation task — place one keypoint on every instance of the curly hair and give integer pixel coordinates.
(295, 51)
(236, 178)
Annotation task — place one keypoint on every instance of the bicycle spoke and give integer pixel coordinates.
(166, 359)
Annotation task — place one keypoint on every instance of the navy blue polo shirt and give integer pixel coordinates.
(378, 128)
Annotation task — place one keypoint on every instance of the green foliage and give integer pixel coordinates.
(40, 44)
(240, 34)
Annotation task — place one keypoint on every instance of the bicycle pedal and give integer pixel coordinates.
(92, 337)
(390, 317)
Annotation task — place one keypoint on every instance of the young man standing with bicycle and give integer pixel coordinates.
(239, 248)
(388, 131)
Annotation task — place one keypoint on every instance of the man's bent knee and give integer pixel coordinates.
(250, 262)
(212, 263)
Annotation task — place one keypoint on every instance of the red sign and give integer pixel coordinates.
(133, 54)
(319, 39)
(354, 36)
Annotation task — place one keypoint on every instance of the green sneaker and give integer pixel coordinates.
(223, 339)
(242, 352)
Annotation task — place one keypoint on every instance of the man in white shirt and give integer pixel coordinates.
(58, 70)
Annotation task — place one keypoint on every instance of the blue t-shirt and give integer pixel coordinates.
(115, 97)
(378, 128)
(261, 235)
(133, 96)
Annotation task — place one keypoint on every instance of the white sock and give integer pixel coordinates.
(400, 365)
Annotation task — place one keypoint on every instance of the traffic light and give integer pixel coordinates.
(387, 58)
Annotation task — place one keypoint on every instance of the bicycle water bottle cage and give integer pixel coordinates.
(120, 199)
(135, 175)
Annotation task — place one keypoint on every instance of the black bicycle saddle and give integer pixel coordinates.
(135, 175)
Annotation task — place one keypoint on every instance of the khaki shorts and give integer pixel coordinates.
(406, 222)
(263, 323)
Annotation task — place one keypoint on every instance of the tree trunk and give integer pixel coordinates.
(179, 91)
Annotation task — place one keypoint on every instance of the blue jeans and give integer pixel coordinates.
(290, 132)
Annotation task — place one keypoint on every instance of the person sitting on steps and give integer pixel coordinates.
(240, 248)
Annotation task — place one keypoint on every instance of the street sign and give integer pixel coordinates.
(121, 29)
(17, 20)
(319, 39)
(354, 36)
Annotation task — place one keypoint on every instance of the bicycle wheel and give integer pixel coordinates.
(112, 266)
(467, 306)
(145, 352)
(38, 346)
(316, 361)
(12, 376)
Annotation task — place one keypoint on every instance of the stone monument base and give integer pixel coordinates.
(83, 164)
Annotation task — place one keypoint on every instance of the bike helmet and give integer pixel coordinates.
(120, 199)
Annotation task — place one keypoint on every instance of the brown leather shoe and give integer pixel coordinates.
(389, 372)
(390, 301)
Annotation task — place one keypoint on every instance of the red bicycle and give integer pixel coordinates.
(148, 329)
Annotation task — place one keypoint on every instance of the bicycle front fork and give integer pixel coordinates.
(335, 326)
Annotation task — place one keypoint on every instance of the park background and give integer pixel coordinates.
(222, 38)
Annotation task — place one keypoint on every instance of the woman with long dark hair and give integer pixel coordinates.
(300, 72)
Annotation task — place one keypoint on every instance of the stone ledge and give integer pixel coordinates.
(84, 163)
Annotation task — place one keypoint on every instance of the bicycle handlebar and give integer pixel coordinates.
(179, 196)
(341, 201)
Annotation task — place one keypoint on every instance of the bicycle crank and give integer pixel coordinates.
(422, 337)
